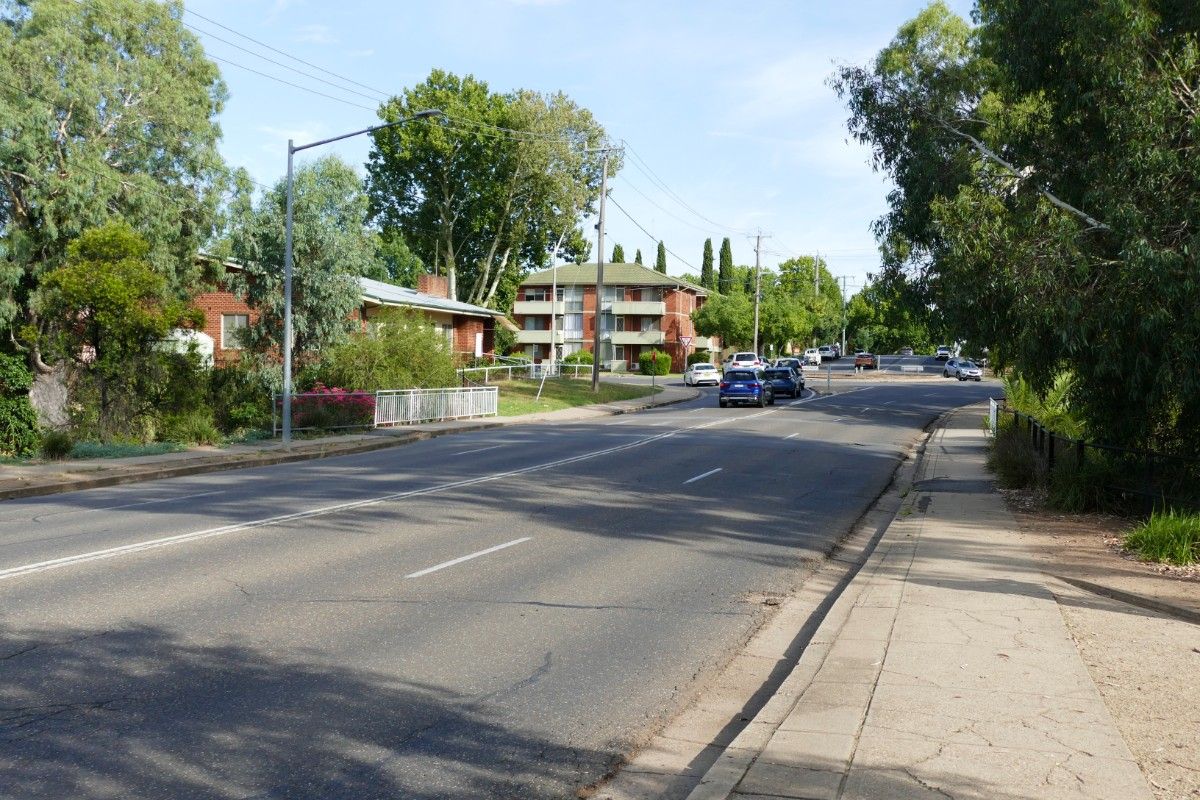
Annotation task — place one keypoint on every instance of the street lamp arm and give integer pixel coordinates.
(432, 112)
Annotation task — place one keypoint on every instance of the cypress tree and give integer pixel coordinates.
(660, 263)
(637, 257)
(706, 266)
(725, 275)
(618, 254)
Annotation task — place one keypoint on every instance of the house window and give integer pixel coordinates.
(536, 323)
(572, 296)
(619, 352)
(614, 293)
(571, 325)
(230, 325)
(609, 322)
(651, 324)
(538, 294)
(652, 295)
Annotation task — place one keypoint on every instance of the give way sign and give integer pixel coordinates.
(685, 340)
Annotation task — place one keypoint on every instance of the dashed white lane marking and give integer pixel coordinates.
(478, 450)
(702, 475)
(792, 435)
(467, 557)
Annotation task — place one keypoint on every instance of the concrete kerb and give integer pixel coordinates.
(723, 777)
(203, 463)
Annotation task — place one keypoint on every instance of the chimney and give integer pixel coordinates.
(436, 285)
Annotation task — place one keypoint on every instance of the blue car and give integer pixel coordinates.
(785, 380)
(745, 386)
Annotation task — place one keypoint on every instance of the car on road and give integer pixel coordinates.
(812, 356)
(827, 352)
(702, 373)
(965, 370)
(944, 352)
(906, 351)
(794, 363)
(785, 380)
(745, 386)
(743, 361)
(866, 361)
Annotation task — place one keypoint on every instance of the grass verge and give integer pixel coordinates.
(518, 397)
(1167, 537)
(99, 450)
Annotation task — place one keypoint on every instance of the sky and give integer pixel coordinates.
(729, 125)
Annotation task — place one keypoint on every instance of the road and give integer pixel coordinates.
(492, 615)
(921, 364)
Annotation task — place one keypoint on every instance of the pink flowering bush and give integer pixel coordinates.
(326, 408)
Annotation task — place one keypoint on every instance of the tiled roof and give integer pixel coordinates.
(614, 275)
(385, 294)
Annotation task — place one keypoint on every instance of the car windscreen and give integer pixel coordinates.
(744, 357)
(967, 365)
(738, 375)
(778, 373)
(702, 367)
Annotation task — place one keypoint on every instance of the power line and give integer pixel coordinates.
(649, 173)
(288, 83)
(651, 235)
(286, 54)
(664, 209)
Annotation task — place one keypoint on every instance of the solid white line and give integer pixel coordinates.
(167, 541)
(621, 422)
(791, 435)
(480, 450)
(461, 559)
(704, 475)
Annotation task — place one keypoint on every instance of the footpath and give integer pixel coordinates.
(68, 476)
(944, 670)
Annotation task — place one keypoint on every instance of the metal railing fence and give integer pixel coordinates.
(1149, 478)
(333, 411)
(525, 370)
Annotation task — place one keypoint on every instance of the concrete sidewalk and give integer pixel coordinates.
(65, 476)
(945, 669)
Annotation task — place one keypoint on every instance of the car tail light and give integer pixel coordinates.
(724, 384)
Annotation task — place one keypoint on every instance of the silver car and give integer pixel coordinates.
(966, 370)
(700, 373)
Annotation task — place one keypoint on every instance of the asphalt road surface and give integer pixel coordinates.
(492, 615)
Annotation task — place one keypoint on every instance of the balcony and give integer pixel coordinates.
(644, 308)
(638, 337)
(538, 337)
(537, 307)
(701, 343)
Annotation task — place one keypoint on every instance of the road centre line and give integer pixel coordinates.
(467, 557)
(702, 475)
(223, 530)
(478, 450)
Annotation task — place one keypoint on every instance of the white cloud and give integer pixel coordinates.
(314, 34)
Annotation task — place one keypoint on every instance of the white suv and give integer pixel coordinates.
(743, 360)
(812, 356)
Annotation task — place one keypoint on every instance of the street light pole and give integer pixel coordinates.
(287, 258)
(599, 279)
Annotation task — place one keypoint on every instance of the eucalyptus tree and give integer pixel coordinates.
(490, 188)
(108, 111)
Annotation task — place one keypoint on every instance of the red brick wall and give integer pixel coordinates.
(436, 285)
(465, 329)
(214, 304)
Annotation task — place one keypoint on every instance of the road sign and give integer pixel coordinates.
(685, 340)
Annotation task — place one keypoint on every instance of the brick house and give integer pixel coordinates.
(470, 329)
(642, 309)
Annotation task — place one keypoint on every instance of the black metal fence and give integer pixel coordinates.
(1139, 480)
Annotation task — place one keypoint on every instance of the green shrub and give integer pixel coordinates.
(1075, 488)
(1012, 458)
(240, 398)
(579, 357)
(1167, 537)
(654, 362)
(700, 357)
(56, 445)
(401, 351)
(193, 427)
(19, 432)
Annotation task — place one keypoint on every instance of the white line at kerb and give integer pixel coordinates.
(703, 475)
(791, 435)
(467, 557)
(478, 450)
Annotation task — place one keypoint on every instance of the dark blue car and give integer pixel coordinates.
(745, 386)
(785, 380)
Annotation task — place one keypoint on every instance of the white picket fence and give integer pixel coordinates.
(406, 406)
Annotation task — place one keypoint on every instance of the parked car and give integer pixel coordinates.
(966, 370)
(866, 361)
(701, 373)
(742, 361)
(785, 380)
(944, 352)
(906, 351)
(827, 352)
(812, 356)
(745, 386)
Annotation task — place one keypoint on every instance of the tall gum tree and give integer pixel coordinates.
(108, 110)
(489, 189)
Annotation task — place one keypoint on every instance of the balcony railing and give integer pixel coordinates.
(538, 307)
(538, 337)
(638, 337)
(645, 308)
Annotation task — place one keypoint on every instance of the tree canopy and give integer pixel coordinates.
(660, 260)
(707, 278)
(618, 256)
(484, 192)
(107, 111)
(1047, 196)
(725, 273)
